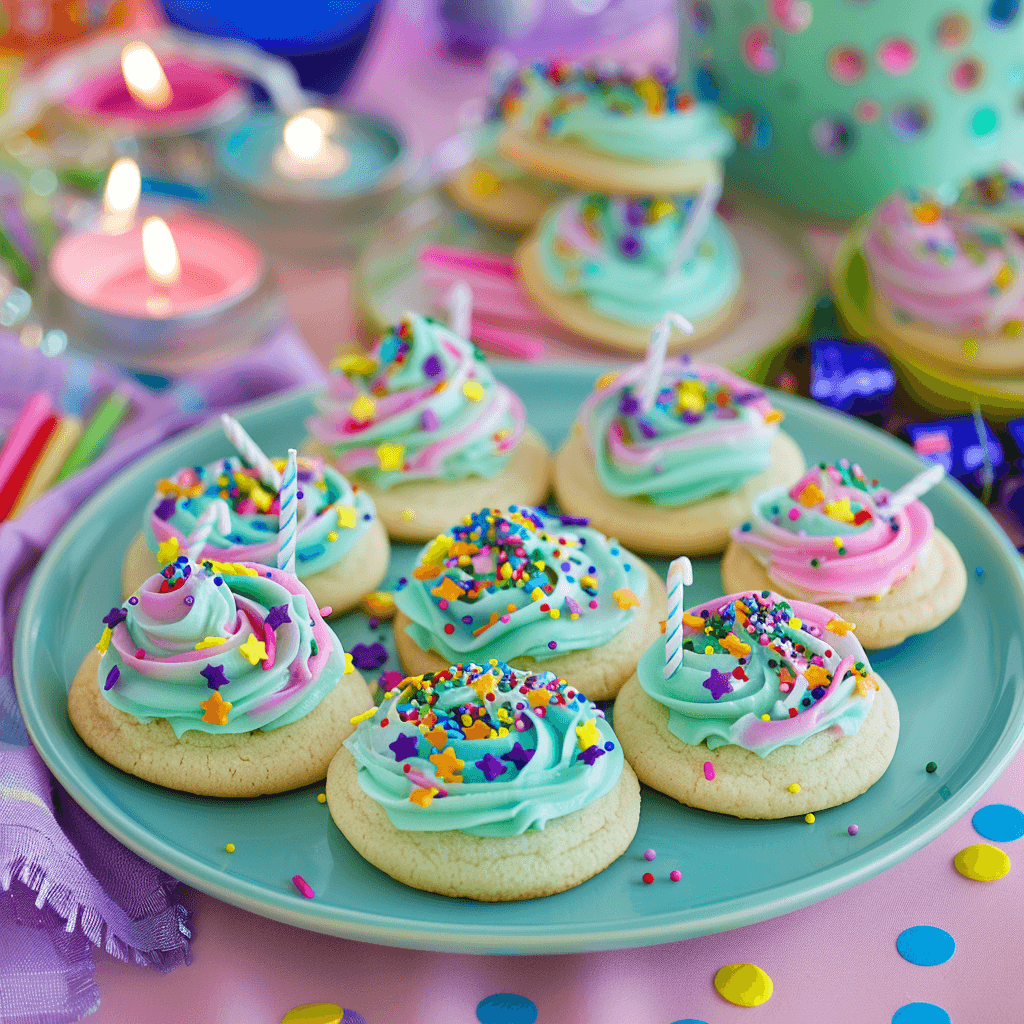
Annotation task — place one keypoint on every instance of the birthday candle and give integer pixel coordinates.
(218, 513)
(250, 451)
(680, 575)
(64, 439)
(460, 308)
(654, 363)
(700, 217)
(914, 489)
(288, 518)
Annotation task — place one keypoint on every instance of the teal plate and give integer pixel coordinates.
(960, 691)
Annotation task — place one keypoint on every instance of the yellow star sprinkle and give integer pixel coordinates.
(349, 667)
(539, 698)
(815, 676)
(811, 495)
(346, 516)
(167, 551)
(587, 734)
(363, 716)
(448, 765)
(255, 650)
(479, 730)
(438, 550)
(474, 390)
(104, 641)
(423, 797)
(216, 709)
(437, 737)
(210, 641)
(736, 647)
(840, 510)
(391, 456)
(694, 621)
(625, 598)
(363, 409)
(840, 627)
(865, 684)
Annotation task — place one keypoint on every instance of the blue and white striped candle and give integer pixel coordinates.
(288, 515)
(649, 384)
(680, 575)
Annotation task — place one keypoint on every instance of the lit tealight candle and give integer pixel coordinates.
(307, 150)
(121, 196)
(162, 263)
(144, 76)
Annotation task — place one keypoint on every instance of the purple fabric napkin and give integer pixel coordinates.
(65, 884)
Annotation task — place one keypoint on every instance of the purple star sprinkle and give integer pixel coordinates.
(277, 616)
(114, 616)
(630, 246)
(429, 420)
(165, 509)
(518, 755)
(214, 676)
(369, 656)
(628, 404)
(433, 367)
(574, 520)
(491, 767)
(591, 754)
(112, 677)
(635, 214)
(647, 429)
(404, 746)
(718, 683)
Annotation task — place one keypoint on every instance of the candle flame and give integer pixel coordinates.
(144, 76)
(305, 133)
(124, 184)
(160, 252)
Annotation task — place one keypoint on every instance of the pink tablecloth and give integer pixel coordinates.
(833, 961)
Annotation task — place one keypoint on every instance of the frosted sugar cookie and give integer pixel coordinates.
(485, 782)
(540, 592)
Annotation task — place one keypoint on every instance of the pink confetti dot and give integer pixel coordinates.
(649, 855)
(853, 830)
(303, 886)
(709, 771)
(676, 876)
(794, 514)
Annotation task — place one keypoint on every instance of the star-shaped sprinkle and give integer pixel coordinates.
(167, 551)
(114, 616)
(736, 647)
(346, 516)
(423, 797)
(404, 746)
(277, 616)
(591, 754)
(840, 627)
(165, 509)
(216, 709)
(448, 765)
(815, 676)
(112, 677)
(479, 730)
(104, 641)
(718, 683)
(369, 656)
(391, 456)
(210, 641)
(437, 737)
(625, 598)
(214, 676)
(491, 767)
(539, 698)
(255, 650)
(519, 756)
(587, 734)
(349, 667)
(811, 495)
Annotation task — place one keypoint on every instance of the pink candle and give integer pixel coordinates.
(108, 274)
(201, 94)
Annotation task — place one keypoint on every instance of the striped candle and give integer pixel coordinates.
(219, 513)
(250, 451)
(680, 575)
(646, 390)
(288, 517)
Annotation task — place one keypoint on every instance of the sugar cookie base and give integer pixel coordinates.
(340, 586)
(931, 593)
(597, 672)
(513, 206)
(997, 354)
(436, 504)
(701, 528)
(829, 768)
(226, 765)
(587, 170)
(566, 852)
(575, 313)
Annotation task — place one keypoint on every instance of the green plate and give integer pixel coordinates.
(960, 690)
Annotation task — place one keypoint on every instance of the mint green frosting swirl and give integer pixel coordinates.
(571, 587)
(615, 253)
(151, 668)
(722, 697)
(534, 768)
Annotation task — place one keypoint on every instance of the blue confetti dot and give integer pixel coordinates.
(921, 1013)
(925, 945)
(1002, 823)
(978, 571)
(506, 1008)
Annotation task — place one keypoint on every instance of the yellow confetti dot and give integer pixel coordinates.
(775, 416)
(314, 1013)
(167, 551)
(709, 649)
(391, 456)
(794, 787)
(408, 514)
(766, 718)
(346, 516)
(474, 390)
(970, 347)
(744, 984)
(605, 381)
(230, 848)
(349, 666)
(363, 409)
(354, 363)
(485, 183)
(321, 798)
(332, 536)
(809, 818)
(253, 649)
(982, 862)
(1013, 328)
(104, 641)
